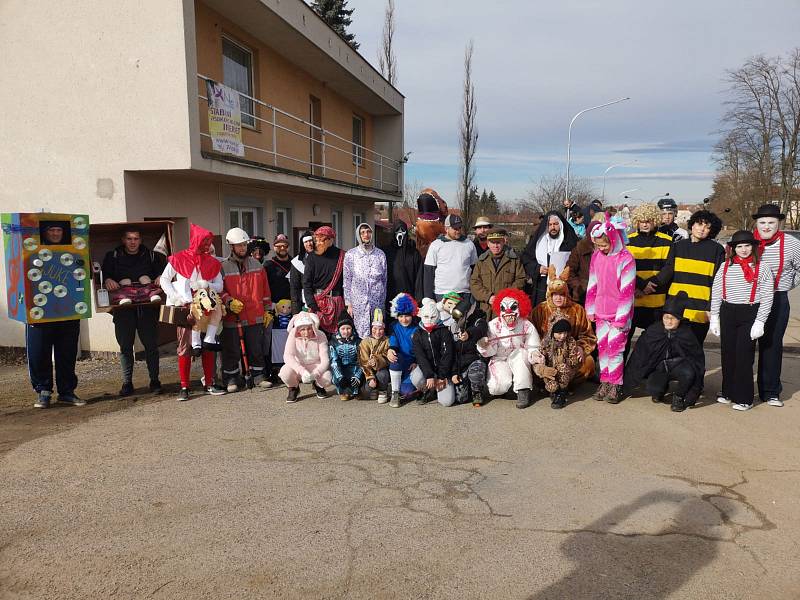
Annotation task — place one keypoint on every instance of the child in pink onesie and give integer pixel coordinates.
(305, 356)
(609, 304)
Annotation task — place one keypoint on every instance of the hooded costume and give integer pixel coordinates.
(433, 349)
(543, 250)
(609, 300)
(429, 219)
(296, 274)
(375, 349)
(512, 345)
(561, 359)
(547, 313)
(364, 281)
(662, 355)
(305, 359)
(403, 264)
(185, 271)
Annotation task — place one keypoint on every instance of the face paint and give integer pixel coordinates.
(767, 227)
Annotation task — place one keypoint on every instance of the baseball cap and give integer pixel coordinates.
(454, 221)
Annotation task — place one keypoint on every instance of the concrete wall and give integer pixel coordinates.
(90, 88)
(287, 87)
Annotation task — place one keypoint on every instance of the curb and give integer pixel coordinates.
(787, 348)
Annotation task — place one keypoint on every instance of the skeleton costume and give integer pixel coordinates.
(512, 345)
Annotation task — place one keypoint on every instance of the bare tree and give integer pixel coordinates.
(387, 61)
(550, 191)
(761, 134)
(411, 191)
(468, 139)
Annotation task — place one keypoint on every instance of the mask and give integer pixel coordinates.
(429, 314)
(509, 312)
(767, 227)
(400, 236)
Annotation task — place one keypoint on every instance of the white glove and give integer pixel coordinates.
(757, 330)
(714, 327)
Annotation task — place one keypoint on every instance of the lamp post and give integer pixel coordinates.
(569, 136)
(605, 175)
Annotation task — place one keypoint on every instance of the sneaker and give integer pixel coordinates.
(320, 391)
(425, 397)
(183, 395)
(344, 397)
(723, 400)
(262, 382)
(614, 394)
(774, 402)
(657, 399)
(126, 389)
(523, 398)
(155, 298)
(742, 406)
(395, 401)
(71, 399)
(215, 390)
(42, 400)
(155, 386)
(383, 397)
(232, 387)
(559, 400)
(601, 392)
(477, 399)
(677, 404)
(197, 351)
(291, 397)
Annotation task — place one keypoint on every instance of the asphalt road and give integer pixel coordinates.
(244, 496)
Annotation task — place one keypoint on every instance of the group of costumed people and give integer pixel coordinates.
(445, 317)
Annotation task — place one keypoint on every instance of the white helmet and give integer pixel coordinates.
(237, 235)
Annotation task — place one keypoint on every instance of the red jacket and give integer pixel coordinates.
(245, 281)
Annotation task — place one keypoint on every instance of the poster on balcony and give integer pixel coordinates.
(224, 119)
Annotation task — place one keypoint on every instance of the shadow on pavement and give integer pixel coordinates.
(606, 564)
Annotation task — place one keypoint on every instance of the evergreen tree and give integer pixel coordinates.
(336, 14)
(491, 206)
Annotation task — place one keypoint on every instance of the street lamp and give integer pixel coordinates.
(605, 175)
(569, 135)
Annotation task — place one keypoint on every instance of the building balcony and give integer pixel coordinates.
(275, 139)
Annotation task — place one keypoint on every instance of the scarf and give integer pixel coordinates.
(747, 265)
(762, 245)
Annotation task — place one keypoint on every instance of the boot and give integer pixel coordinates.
(477, 398)
(614, 394)
(524, 398)
(291, 397)
(559, 399)
(601, 392)
(395, 401)
(677, 404)
(426, 396)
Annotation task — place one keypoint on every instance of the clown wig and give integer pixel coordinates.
(403, 304)
(521, 297)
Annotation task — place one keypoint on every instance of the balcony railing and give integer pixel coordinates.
(289, 142)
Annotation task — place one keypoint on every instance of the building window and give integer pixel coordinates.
(336, 223)
(283, 221)
(245, 217)
(358, 219)
(358, 140)
(237, 73)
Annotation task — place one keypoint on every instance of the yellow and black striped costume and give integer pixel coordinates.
(650, 251)
(691, 267)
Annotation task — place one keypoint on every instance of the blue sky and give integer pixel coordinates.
(538, 63)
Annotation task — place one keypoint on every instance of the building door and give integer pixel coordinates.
(315, 118)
